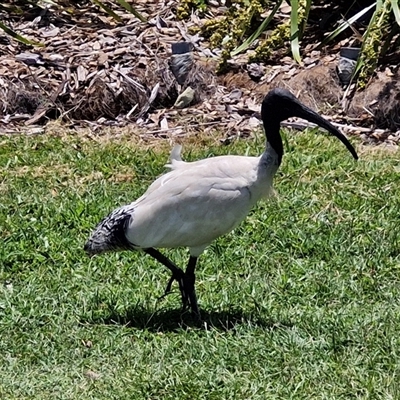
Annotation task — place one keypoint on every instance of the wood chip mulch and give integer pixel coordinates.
(92, 70)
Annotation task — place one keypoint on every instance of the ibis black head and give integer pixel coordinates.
(279, 104)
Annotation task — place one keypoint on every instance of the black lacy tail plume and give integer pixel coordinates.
(110, 234)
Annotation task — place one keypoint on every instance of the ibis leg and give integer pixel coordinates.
(189, 287)
(177, 273)
(186, 279)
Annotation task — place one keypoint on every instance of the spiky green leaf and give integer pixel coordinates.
(245, 45)
(132, 10)
(294, 30)
(346, 24)
(396, 10)
(18, 37)
(108, 10)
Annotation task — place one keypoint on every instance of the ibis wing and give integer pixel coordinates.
(193, 204)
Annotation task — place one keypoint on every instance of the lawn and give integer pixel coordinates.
(301, 301)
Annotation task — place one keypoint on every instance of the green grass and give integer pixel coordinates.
(302, 301)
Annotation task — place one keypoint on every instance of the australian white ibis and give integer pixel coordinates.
(196, 202)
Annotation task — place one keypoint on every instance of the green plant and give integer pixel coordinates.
(291, 30)
(185, 7)
(374, 44)
(230, 31)
(376, 40)
(227, 32)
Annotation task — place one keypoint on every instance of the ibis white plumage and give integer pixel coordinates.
(196, 202)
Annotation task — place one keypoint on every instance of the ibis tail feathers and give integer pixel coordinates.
(110, 233)
(175, 158)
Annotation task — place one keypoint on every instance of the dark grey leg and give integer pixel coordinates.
(177, 273)
(189, 285)
(186, 279)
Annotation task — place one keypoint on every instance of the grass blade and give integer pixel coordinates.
(18, 37)
(245, 45)
(360, 62)
(294, 30)
(345, 25)
(396, 10)
(306, 14)
(132, 10)
(108, 10)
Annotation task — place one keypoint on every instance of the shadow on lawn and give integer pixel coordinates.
(173, 320)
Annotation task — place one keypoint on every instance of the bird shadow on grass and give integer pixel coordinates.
(173, 320)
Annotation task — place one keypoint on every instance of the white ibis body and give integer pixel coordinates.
(196, 202)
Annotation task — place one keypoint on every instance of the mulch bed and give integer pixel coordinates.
(93, 71)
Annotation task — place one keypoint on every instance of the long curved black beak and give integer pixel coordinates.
(310, 115)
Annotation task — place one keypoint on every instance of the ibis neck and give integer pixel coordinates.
(274, 139)
(270, 160)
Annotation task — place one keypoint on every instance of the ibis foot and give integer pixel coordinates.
(178, 275)
(186, 286)
(186, 280)
(190, 298)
